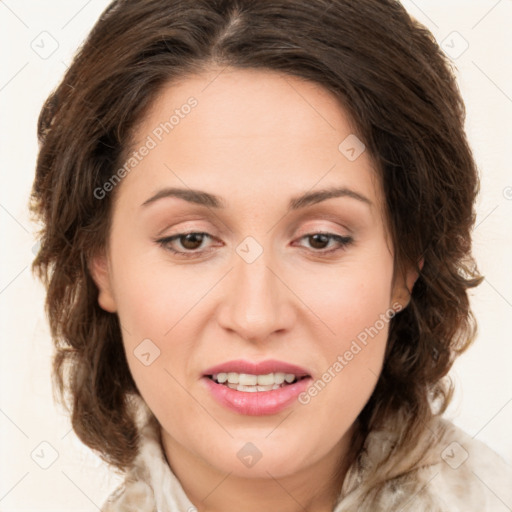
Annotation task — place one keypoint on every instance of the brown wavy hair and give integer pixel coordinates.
(401, 93)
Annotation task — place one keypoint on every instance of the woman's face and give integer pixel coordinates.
(290, 264)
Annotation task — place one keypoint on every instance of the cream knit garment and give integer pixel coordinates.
(447, 471)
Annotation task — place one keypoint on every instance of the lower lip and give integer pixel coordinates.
(257, 403)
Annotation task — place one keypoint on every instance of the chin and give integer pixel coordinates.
(257, 458)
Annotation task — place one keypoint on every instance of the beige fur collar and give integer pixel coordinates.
(447, 471)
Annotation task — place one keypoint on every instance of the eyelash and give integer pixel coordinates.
(343, 241)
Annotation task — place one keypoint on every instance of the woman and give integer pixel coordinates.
(256, 247)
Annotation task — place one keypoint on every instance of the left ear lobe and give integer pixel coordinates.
(403, 288)
(413, 275)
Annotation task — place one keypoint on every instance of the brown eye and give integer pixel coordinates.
(191, 241)
(185, 244)
(318, 242)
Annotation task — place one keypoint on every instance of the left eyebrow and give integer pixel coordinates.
(318, 196)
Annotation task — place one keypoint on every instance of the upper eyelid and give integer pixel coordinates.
(347, 239)
(308, 232)
(289, 230)
(298, 228)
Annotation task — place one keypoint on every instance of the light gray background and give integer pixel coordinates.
(38, 41)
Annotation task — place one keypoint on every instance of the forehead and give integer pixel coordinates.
(251, 127)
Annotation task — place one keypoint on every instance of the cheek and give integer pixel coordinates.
(159, 309)
(157, 339)
(154, 298)
(358, 321)
(355, 314)
(351, 307)
(352, 296)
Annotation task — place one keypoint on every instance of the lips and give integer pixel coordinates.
(261, 368)
(256, 403)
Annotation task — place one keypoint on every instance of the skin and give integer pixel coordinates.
(256, 139)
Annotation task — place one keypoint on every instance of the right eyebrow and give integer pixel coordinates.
(193, 196)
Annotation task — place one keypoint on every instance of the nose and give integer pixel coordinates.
(256, 302)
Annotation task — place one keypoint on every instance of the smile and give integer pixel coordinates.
(250, 383)
(255, 402)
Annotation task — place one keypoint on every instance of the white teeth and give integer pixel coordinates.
(250, 383)
(233, 378)
(278, 378)
(246, 379)
(252, 389)
(265, 380)
(222, 377)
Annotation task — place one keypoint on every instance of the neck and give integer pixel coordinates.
(314, 488)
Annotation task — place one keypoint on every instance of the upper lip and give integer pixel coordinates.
(261, 368)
